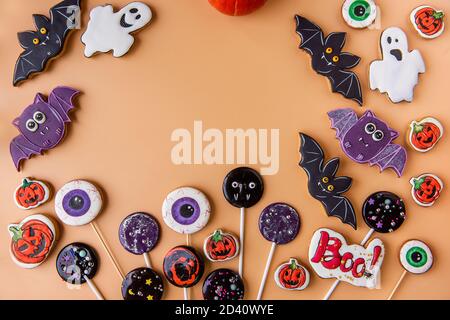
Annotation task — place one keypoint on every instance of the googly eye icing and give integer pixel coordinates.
(31, 125)
(378, 135)
(235, 184)
(78, 203)
(186, 210)
(416, 257)
(370, 128)
(39, 117)
(335, 59)
(43, 31)
(359, 13)
(36, 41)
(325, 179)
(330, 188)
(329, 50)
(252, 185)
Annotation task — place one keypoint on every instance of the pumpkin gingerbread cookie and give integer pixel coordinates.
(426, 189)
(31, 194)
(292, 276)
(221, 246)
(425, 134)
(428, 22)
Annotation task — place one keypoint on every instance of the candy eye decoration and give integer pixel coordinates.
(235, 184)
(359, 13)
(378, 135)
(329, 50)
(31, 125)
(78, 203)
(416, 257)
(43, 31)
(335, 59)
(186, 210)
(39, 117)
(370, 128)
(325, 180)
(330, 188)
(36, 41)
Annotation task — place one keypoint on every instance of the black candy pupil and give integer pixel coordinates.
(187, 211)
(39, 116)
(416, 257)
(76, 203)
(360, 11)
(378, 135)
(31, 125)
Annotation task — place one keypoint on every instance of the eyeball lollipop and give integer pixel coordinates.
(77, 263)
(139, 234)
(359, 13)
(223, 285)
(416, 258)
(78, 203)
(143, 284)
(243, 188)
(279, 223)
(186, 210)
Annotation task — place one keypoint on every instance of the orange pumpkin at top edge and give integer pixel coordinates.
(237, 7)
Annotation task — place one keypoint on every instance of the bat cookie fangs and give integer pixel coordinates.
(42, 125)
(328, 59)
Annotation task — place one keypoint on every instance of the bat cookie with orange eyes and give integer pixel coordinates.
(47, 42)
(328, 59)
(323, 184)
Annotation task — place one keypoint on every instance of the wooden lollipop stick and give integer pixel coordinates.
(397, 285)
(186, 294)
(148, 263)
(266, 271)
(108, 250)
(242, 237)
(335, 284)
(94, 288)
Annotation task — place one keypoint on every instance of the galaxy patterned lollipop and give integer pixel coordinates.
(223, 285)
(78, 203)
(77, 263)
(279, 223)
(243, 188)
(143, 284)
(416, 258)
(139, 234)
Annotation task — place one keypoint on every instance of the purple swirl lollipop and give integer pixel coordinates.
(279, 223)
(139, 233)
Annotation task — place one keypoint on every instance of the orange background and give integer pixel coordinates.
(193, 63)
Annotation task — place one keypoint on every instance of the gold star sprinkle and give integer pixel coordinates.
(148, 282)
(150, 297)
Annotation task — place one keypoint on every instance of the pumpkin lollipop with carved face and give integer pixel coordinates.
(221, 246)
(183, 267)
(31, 194)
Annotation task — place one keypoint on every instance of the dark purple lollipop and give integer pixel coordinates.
(223, 285)
(384, 212)
(279, 223)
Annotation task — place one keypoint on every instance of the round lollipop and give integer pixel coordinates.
(183, 267)
(223, 285)
(243, 188)
(416, 258)
(77, 263)
(142, 284)
(78, 203)
(139, 234)
(383, 212)
(279, 223)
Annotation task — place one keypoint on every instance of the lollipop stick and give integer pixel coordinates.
(266, 271)
(186, 294)
(148, 263)
(397, 285)
(335, 284)
(108, 250)
(242, 236)
(94, 288)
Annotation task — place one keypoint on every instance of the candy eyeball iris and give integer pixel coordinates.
(416, 257)
(186, 210)
(78, 203)
(359, 13)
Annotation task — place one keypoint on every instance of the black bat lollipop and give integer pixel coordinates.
(329, 60)
(47, 41)
(323, 184)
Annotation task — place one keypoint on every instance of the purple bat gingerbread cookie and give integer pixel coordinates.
(42, 125)
(368, 140)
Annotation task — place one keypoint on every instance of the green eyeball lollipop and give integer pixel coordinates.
(359, 13)
(416, 257)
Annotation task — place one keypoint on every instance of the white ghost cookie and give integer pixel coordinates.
(108, 30)
(398, 73)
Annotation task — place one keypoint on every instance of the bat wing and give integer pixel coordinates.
(310, 34)
(64, 17)
(342, 120)
(28, 63)
(22, 149)
(393, 156)
(347, 84)
(61, 98)
(312, 156)
(341, 207)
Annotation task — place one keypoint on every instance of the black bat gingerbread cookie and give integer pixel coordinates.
(47, 41)
(323, 184)
(328, 59)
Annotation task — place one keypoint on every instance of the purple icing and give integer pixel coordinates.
(279, 223)
(186, 211)
(42, 125)
(139, 233)
(76, 203)
(368, 140)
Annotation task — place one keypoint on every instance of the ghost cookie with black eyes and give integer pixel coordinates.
(112, 31)
(397, 74)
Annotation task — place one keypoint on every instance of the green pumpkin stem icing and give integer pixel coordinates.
(217, 236)
(418, 128)
(418, 183)
(438, 15)
(26, 183)
(17, 233)
(293, 264)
